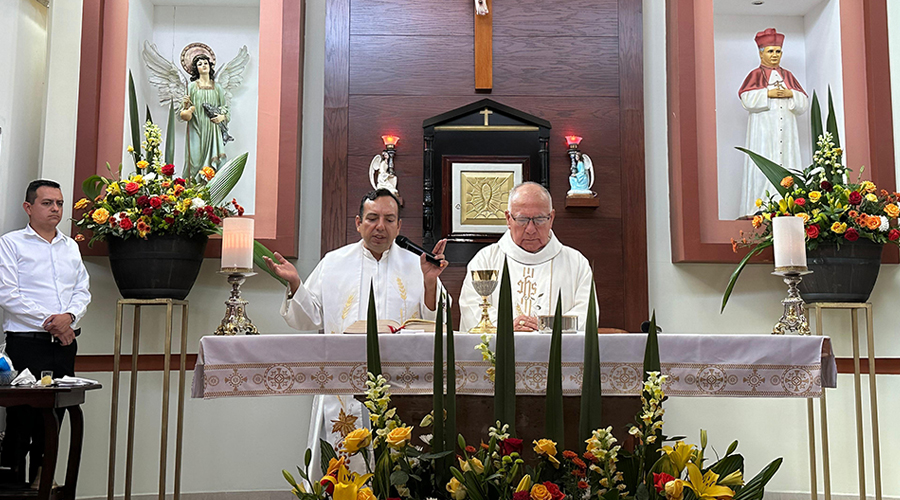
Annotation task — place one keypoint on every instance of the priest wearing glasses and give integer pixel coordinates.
(540, 267)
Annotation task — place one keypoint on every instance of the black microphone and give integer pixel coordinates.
(405, 243)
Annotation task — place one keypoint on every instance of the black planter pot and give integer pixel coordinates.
(158, 267)
(847, 274)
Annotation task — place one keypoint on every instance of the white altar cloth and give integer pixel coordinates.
(698, 365)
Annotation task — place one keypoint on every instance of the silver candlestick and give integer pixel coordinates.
(793, 320)
(236, 321)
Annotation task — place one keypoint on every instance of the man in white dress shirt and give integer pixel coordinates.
(774, 99)
(336, 294)
(43, 293)
(540, 267)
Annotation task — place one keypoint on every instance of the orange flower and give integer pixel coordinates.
(82, 203)
(787, 182)
(892, 210)
(757, 220)
(208, 172)
(79, 237)
(804, 216)
(852, 214)
(873, 222)
(861, 220)
(142, 164)
(178, 189)
(100, 215)
(733, 245)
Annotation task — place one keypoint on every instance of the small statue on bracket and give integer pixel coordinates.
(381, 168)
(581, 178)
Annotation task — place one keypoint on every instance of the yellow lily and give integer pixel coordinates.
(347, 484)
(679, 454)
(524, 484)
(736, 478)
(705, 486)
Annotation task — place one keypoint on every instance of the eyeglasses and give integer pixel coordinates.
(539, 220)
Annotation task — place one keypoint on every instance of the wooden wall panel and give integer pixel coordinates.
(577, 65)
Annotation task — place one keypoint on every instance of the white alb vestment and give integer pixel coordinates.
(334, 296)
(772, 133)
(535, 278)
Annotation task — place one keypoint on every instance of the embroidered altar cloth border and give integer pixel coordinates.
(697, 365)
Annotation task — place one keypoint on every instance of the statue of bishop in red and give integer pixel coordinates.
(774, 99)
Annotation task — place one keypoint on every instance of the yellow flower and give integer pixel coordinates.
(814, 196)
(137, 179)
(679, 454)
(675, 490)
(804, 216)
(81, 203)
(892, 210)
(758, 202)
(767, 216)
(130, 149)
(335, 465)
(456, 489)
(524, 484)
(540, 492)
(757, 220)
(736, 478)
(357, 440)
(346, 486)
(871, 197)
(547, 448)
(787, 182)
(142, 165)
(365, 494)
(398, 437)
(868, 186)
(839, 227)
(473, 464)
(100, 215)
(208, 172)
(113, 188)
(706, 486)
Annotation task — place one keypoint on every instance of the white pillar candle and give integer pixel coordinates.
(237, 243)
(790, 242)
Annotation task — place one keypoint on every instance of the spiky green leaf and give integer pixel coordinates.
(773, 171)
(555, 429)
(135, 120)
(755, 488)
(450, 400)
(225, 180)
(651, 349)
(92, 186)
(591, 392)
(373, 353)
(505, 369)
(169, 155)
(739, 269)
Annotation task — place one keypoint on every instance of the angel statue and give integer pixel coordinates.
(481, 7)
(381, 172)
(581, 178)
(205, 95)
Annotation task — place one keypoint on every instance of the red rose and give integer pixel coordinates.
(851, 235)
(660, 480)
(555, 494)
(179, 181)
(800, 202)
(855, 198)
(826, 186)
(147, 211)
(521, 495)
(126, 224)
(132, 187)
(155, 202)
(168, 170)
(812, 231)
(510, 445)
(215, 219)
(893, 234)
(169, 220)
(143, 201)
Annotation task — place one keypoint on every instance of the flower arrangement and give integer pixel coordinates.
(834, 209)
(154, 201)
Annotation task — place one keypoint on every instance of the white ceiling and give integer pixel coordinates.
(768, 8)
(208, 3)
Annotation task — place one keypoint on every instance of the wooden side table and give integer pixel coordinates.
(48, 399)
(170, 305)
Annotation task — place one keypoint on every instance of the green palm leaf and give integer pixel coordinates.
(135, 120)
(505, 364)
(591, 392)
(755, 488)
(450, 401)
(815, 119)
(554, 428)
(170, 136)
(740, 268)
(773, 171)
(225, 180)
(437, 440)
(373, 354)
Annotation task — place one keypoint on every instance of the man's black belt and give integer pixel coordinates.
(37, 335)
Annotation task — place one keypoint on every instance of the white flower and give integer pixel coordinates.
(150, 176)
(197, 203)
(884, 224)
(426, 438)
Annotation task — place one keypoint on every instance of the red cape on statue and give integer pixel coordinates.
(759, 79)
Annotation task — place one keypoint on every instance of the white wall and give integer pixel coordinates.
(686, 298)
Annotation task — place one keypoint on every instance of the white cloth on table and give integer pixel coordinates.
(335, 295)
(771, 132)
(40, 278)
(536, 280)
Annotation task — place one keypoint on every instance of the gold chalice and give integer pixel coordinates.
(485, 282)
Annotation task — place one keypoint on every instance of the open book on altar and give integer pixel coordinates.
(391, 326)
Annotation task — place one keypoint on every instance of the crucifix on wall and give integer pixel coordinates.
(484, 78)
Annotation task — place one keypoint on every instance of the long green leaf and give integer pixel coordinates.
(225, 180)
(554, 428)
(755, 488)
(773, 171)
(815, 121)
(651, 349)
(739, 269)
(437, 440)
(373, 353)
(259, 251)
(505, 365)
(327, 453)
(450, 400)
(831, 121)
(92, 186)
(169, 155)
(149, 117)
(727, 465)
(591, 391)
(135, 120)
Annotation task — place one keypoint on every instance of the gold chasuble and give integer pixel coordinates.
(536, 280)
